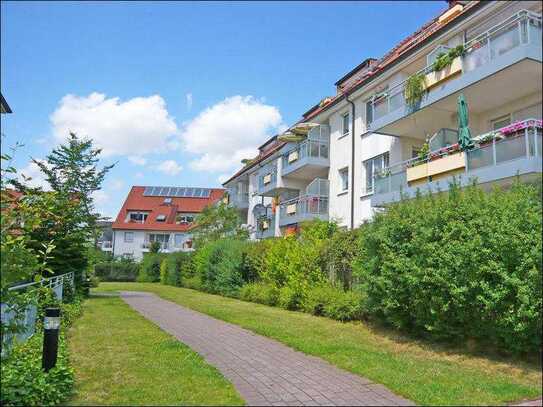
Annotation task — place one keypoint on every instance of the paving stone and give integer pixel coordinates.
(264, 371)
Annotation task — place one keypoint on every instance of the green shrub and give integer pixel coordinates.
(458, 266)
(118, 269)
(149, 268)
(345, 306)
(341, 250)
(25, 383)
(290, 298)
(174, 267)
(193, 282)
(254, 255)
(261, 293)
(219, 266)
(318, 297)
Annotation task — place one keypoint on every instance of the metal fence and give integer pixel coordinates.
(26, 319)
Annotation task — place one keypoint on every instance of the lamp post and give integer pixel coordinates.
(51, 326)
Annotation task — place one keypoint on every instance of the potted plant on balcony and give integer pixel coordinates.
(445, 66)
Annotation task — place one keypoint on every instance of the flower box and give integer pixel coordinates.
(267, 179)
(434, 78)
(291, 209)
(293, 156)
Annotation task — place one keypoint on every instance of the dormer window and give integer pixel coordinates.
(137, 217)
(184, 218)
(161, 218)
(167, 201)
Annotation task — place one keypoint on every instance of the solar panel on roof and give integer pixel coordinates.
(177, 192)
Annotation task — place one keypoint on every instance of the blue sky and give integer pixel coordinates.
(177, 92)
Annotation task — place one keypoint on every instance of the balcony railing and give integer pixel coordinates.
(238, 198)
(303, 208)
(520, 29)
(147, 245)
(265, 227)
(307, 149)
(518, 140)
(267, 181)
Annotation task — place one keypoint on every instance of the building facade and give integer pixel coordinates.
(392, 126)
(159, 214)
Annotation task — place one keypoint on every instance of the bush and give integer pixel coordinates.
(149, 268)
(193, 283)
(290, 298)
(254, 256)
(219, 266)
(340, 251)
(458, 266)
(333, 302)
(317, 298)
(173, 268)
(261, 293)
(119, 269)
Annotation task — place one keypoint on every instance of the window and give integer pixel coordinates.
(128, 237)
(345, 124)
(184, 218)
(372, 167)
(500, 122)
(178, 239)
(167, 200)
(161, 218)
(369, 113)
(138, 217)
(344, 178)
(160, 238)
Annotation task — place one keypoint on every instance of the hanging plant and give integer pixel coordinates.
(414, 88)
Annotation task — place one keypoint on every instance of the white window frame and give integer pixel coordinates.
(167, 200)
(129, 240)
(144, 215)
(385, 159)
(161, 218)
(344, 181)
(345, 131)
(500, 119)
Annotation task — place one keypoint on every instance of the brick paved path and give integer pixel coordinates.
(264, 371)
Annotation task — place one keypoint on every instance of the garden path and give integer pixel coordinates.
(264, 371)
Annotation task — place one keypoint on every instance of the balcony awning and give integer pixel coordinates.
(289, 136)
(303, 129)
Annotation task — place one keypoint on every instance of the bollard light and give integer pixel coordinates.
(51, 326)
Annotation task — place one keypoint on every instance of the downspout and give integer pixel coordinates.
(353, 111)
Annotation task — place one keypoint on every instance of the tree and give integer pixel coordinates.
(72, 173)
(216, 222)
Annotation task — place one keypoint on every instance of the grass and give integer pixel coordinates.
(423, 372)
(120, 358)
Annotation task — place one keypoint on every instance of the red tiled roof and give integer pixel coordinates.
(399, 50)
(154, 205)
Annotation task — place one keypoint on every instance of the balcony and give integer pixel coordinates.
(498, 157)
(495, 52)
(310, 158)
(265, 227)
(164, 246)
(312, 205)
(238, 197)
(267, 181)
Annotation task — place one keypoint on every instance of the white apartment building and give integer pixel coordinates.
(359, 149)
(159, 214)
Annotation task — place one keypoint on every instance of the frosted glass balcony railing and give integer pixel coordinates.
(238, 197)
(518, 140)
(303, 208)
(315, 146)
(520, 29)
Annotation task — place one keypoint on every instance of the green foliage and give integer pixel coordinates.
(219, 265)
(340, 251)
(458, 266)
(25, 383)
(261, 293)
(254, 256)
(118, 269)
(175, 267)
(445, 59)
(194, 282)
(291, 298)
(149, 268)
(154, 247)
(329, 301)
(216, 222)
(414, 89)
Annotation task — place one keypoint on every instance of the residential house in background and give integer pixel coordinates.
(365, 147)
(159, 214)
(104, 240)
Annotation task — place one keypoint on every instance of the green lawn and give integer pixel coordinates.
(120, 358)
(425, 373)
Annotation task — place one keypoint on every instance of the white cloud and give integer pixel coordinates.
(100, 197)
(116, 184)
(37, 178)
(169, 167)
(188, 98)
(134, 159)
(139, 175)
(223, 177)
(135, 127)
(225, 133)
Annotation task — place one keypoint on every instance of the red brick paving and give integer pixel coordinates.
(264, 371)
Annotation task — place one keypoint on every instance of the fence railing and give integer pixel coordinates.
(304, 208)
(26, 319)
(523, 27)
(518, 140)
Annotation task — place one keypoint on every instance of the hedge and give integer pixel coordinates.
(175, 267)
(149, 268)
(458, 266)
(117, 270)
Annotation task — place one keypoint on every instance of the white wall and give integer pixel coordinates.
(120, 247)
